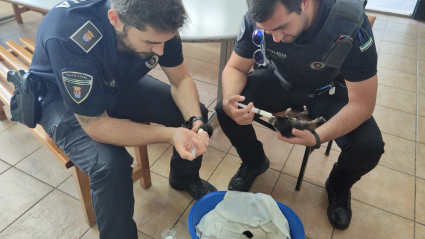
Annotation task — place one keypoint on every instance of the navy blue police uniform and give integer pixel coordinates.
(362, 148)
(76, 55)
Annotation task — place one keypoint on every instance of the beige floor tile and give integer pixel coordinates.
(219, 140)
(159, 206)
(70, 187)
(387, 189)
(185, 45)
(404, 64)
(395, 122)
(154, 152)
(318, 168)
(420, 202)
(228, 168)
(216, 60)
(420, 231)
(6, 31)
(194, 65)
(403, 20)
(181, 228)
(44, 165)
(399, 154)
(402, 28)
(16, 143)
(207, 92)
(93, 233)
(408, 39)
(57, 215)
(420, 160)
(421, 68)
(421, 129)
(208, 73)
(421, 104)
(397, 99)
(210, 161)
(160, 75)
(421, 53)
(378, 43)
(379, 24)
(6, 124)
(421, 84)
(4, 166)
(18, 192)
(379, 16)
(202, 51)
(399, 49)
(421, 31)
(310, 204)
(372, 223)
(397, 79)
(378, 34)
(212, 105)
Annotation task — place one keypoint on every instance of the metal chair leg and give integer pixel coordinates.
(307, 153)
(328, 149)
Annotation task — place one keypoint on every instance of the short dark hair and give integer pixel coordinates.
(162, 15)
(262, 10)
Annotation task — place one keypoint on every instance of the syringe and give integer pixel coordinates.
(258, 111)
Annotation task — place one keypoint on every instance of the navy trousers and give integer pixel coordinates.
(108, 166)
(361, 149)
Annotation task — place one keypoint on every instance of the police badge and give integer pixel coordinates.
(78, 85)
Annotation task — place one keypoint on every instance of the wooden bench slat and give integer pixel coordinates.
(20, 51)
(3, 71)
(5, 95)
(28, 43)
(13, 61)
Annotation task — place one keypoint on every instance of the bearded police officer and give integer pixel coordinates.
(94, 57)
(318, 53)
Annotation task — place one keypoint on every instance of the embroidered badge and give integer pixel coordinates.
(153, 62)
(366, 45)
(317, 65)
(78, 85)
(87, 36)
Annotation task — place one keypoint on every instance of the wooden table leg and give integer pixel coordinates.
(142, 159)
(83, 187)
(17, 12)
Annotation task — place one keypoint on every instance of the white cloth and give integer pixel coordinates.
(239, 212)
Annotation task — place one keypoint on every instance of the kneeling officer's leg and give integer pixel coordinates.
(109, 169)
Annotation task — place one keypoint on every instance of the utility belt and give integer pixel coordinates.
(331, 88)
(26, 102)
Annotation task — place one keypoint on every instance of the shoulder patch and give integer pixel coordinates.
(241, 30)
(87, 36)
(77, 84)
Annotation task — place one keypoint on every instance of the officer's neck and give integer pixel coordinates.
(312, 13)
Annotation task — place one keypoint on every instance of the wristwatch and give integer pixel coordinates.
(188, 124)
(317, 139)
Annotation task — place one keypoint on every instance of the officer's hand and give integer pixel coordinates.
(195, 125)
(240, 116)
(183, 139)
(302, 137)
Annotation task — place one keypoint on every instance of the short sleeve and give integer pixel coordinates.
(78, 77)
(173, 53)
(244, 46)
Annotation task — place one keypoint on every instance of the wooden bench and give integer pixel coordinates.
(18, 57)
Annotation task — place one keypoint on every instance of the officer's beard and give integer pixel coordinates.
(122, 39)
(303, 24)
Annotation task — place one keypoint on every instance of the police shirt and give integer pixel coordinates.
(360, 64)
(76, 50)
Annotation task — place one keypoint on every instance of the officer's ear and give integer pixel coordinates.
(114, 18)
(305, 4)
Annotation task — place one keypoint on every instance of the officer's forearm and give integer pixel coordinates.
(186, 97)
(346, 120)
(233, 82)
(121, 132)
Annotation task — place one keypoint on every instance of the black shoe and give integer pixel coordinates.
(339, 209)
(196, 190)
(245, 177)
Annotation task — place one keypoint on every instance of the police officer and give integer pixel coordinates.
(318, 53)
(94, 56)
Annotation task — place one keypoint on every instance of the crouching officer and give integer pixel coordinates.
(318, 53)
(94, 57)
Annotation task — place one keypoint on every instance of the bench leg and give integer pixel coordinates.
(83, 186)
(307, 153)
(142, 159)
(17, 12)
(328, 149)
(2, 112)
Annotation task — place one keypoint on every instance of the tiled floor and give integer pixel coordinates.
(38, 198)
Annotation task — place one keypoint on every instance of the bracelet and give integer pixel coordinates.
(195, 118)
(317, 139)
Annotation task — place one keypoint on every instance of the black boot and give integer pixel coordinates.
(339, 209)
(196, 190)
(245, 177)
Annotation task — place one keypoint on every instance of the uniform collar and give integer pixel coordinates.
(110, 46)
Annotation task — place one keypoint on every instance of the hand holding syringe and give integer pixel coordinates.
(258, 111)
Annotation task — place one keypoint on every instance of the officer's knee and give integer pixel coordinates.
(219, 110)
(204, 112)
(113, 166)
